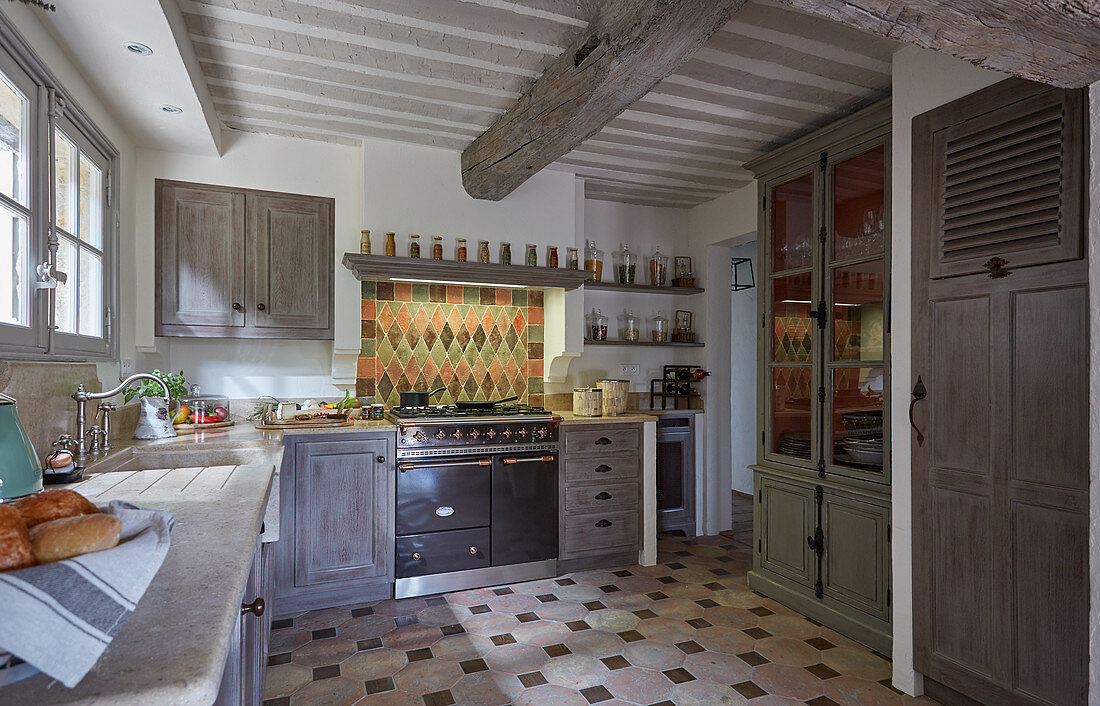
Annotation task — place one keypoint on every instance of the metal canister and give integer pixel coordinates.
(587, 402)
(615, 396)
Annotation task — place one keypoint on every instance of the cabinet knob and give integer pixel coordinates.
(261, 307)
(603, 523)
(473, 550)
(380, 459)
(236, 306)
(416, 556)
(603, 496)
(256, 607)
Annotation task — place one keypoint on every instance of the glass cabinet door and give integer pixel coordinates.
(856, 380)
(791, 334)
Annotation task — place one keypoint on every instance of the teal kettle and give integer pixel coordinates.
(20, 473)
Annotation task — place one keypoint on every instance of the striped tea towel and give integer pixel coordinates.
(60, 617)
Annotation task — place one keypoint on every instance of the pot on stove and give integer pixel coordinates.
(418, 399)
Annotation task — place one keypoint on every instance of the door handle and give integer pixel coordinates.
(511, 461)
(603, 496)
(403, 467)
(919, 393)
(603, 523)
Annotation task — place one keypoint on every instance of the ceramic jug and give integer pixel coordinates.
(154, 420)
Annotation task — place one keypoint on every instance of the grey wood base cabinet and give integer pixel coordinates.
(822, 477)
(336, 528)
(243, 678)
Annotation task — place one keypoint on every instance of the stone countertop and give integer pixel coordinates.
(173, 648)
(567, 418)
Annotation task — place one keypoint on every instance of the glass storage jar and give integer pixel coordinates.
(597, 326)
(572, 262)
(390, 247)
(197, 408)
(629, 326)
(531, 259)
(658, 268)
(659, 328)
(460, 250)
(364, 242)
(552, 256)
(414, 246)
(506, 253)
(483, 251)
(626, 264)
(437, 247)
(593, 260)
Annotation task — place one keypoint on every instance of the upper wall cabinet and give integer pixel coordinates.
(236, 263)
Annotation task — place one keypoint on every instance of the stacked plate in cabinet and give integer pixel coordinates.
(867, 451)
(795, 444)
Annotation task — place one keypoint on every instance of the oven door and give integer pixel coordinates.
(525, 508)
(443, 494)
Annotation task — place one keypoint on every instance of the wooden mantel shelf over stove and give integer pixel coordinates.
(410, 269)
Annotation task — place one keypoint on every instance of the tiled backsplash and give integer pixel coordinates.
(478, 342)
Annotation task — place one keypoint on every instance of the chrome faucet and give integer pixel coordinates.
(80, 443)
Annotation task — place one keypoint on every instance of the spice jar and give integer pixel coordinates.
(531, 259)
(659, 328)
(658, 268)
(626, 263)
(597, 326)
(593, 260)
(460, 250)
(391, 244)
(506, 253)
(364, 242)
(437, 247)
(572, 262)
(414, 246)
(552, 256)
(483, 251)
(629, 326)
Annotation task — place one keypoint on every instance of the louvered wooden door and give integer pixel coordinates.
(1000, 450)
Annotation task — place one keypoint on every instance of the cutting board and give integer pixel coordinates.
(307, 424)
(188, 428)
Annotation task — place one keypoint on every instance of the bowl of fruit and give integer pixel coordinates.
(199, 410)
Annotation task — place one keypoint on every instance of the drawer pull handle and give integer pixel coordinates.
(603, 523)
(603, 496)
(256, 607)
(602, 468)
(473, 550)
(603, 441)
(416, 556)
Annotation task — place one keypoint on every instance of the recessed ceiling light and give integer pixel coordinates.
(171, 109)
(138, 48)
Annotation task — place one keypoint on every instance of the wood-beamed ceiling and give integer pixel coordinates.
(441, 72)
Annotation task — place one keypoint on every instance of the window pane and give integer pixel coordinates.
(793, 223)
(90, 287)
(64, 181)
(14, 109)
(791, 411)
(858, 293)
(15, 275)
(90, 201)
(859, 201)
(791, 322)
(65, 315)
(857, 417)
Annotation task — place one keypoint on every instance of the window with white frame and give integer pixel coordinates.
(57, 219)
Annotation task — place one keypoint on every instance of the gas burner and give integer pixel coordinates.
(453, 412)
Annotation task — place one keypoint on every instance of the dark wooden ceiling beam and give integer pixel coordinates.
(629, 47)
(1056, 42)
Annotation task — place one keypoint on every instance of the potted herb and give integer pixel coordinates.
(177, 386)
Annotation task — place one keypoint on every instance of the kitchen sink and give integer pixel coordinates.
(142, 459)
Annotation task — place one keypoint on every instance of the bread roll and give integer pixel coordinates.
(53, 504)
(15, 543)
(72, 536)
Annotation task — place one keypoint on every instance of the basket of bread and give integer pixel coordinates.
(71, 574)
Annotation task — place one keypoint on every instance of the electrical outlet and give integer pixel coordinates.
(126, 367)
(629, 370)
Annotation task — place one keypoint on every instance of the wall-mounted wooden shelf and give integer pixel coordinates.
(669, 344)
(641, 288)
(408, 269)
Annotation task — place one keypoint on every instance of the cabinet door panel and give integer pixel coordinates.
(291, 261)
(341, 512)
(856, 561)
(786, 520)
(200, 255)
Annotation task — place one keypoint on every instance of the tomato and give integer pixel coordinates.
(182, 415)
(207, 420)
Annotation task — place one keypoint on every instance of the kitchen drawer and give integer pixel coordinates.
(601, 531)
(603, 441)
(603, 470)
(442, 496)
(600, 498)
(439, 552)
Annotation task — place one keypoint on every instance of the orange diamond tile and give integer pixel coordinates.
(404, 318)
(439, 318)
(412, 369)
(478, 369)
(395, 369)
(518, 322)
(471, 321)
(496, 370)
(511, 369)
(420, 318)
(454, 318)
(447, 372)
(487, 322)
(430, 369)
(385, 320)
(462, 371)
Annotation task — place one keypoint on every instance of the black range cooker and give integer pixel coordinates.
(477, 497)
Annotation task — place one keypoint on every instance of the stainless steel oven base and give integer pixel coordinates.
(474, 578)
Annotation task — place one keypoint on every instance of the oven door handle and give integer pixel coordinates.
(512, 460)
(403, 467)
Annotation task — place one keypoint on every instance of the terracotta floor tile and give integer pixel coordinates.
(666, 630)
(784, 680)
(541, 633)
(575, 671)
(722, 639)
(444, 614)
(487, 689)
(594, 643)
(374, 664)
(412, 637)
(704, 693)
(678, 609)
(643, 686)
(857, 663)
(561, 611)
(652, 654)
(318, 653)
(319, 619)
(612, 620)
(550, 695)
(428, 675)
(514, 603)
(516, 658)
(464, 646)
(340, 690)
(285, 679)
(490, 624)
(787, 650)
(366, 627)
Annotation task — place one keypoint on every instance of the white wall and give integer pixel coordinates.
(922, 80)
(742, 401)
(247, 368)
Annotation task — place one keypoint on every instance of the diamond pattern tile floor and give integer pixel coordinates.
(704, 638)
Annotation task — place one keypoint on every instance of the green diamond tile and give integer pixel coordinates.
(403, 351)
(384, 350)
(479, 338)
(439, 352)
(420, 351)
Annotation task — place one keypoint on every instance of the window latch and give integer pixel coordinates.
(49, 277)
